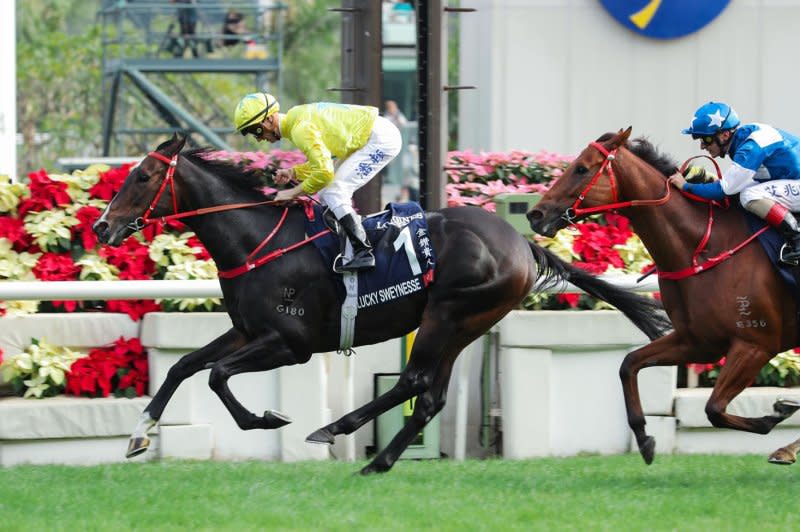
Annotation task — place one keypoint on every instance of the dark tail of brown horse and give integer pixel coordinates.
(645, 312)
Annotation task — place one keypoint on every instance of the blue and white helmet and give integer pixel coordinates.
(711, 118)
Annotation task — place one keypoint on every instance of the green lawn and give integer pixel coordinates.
(582, 493)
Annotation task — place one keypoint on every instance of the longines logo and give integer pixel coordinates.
(664, 19)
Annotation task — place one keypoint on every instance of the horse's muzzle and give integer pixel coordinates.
(102, 230)
(537, 221)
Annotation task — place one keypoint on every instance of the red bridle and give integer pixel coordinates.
(252, 261)
(575, 211)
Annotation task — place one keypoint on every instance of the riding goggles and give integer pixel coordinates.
(707, 139)
(256, 130)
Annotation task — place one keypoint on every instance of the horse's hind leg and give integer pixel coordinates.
(266, 352)
(184, 368)
(411, 382)
(785, 455)
(744, 361)
(666, 351)
(428, 404)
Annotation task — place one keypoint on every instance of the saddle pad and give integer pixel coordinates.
(404, 257)
(772, 241)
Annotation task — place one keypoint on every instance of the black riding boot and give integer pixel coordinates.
(790, 253)
(363, 258)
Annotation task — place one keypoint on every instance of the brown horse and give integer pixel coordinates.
(719, 303)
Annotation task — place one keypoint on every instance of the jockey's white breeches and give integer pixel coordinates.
(354, 172)
(783, 191)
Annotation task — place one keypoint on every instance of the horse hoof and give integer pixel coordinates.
(648, 449)
(275, 419)
(322, 435)
(786, 407)
(782, 457)
(370, 469)
(137, 446)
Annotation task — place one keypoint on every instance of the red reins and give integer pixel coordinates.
(251, 262)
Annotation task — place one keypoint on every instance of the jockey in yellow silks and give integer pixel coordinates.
(362, 142)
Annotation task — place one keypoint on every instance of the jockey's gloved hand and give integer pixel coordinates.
(697, 174)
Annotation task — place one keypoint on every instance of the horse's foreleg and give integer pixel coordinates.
(184, 368)
(666, 351)
(744, 361)
(266, 352)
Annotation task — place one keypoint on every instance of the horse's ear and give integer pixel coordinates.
(177, 142)
(621, 137)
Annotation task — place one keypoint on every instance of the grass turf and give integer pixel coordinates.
(579, 493)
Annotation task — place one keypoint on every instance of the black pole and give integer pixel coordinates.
(431, 104)
(361, 82)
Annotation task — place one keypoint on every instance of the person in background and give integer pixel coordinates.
(765, 169)
(362, 141)
(234, 27)
(394, 114)
(187, 19)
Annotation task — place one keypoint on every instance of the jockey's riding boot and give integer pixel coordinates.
(363, 258)
(790, 252)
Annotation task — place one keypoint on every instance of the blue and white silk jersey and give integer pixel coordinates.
(759, 153)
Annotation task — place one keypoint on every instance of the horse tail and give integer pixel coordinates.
(645, 312)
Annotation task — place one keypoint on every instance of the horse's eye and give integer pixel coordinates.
(581, 170)
(143, 177)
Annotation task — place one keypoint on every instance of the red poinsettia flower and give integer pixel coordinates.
(87, 216)
(570, 299)
(200, 250)
(14, 230)
(56, 267)
(45, 194)
(133, 308)
(131, 258)
(110, 182)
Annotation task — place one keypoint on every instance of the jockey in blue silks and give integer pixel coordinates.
(765, 169)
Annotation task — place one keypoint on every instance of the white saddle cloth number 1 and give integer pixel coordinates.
(404, 240)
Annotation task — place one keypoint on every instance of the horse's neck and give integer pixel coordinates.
(671, 231)
(229, 236)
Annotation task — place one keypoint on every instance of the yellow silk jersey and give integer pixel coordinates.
(322, 130)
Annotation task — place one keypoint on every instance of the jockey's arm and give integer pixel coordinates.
(317, 172)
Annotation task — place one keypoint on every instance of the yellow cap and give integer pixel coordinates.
(254, 108)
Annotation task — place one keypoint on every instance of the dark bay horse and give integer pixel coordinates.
(484, 270)
(734, 305)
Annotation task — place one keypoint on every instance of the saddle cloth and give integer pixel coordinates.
(404, 256)
(772, 241)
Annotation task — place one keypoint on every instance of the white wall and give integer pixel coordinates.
(556, 74)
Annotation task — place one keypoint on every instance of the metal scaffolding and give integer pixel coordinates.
(153, 51)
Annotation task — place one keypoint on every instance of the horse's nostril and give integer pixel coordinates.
(100, 226)
(535, 215)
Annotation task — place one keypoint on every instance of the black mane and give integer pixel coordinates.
(644, 149)
(234, 173)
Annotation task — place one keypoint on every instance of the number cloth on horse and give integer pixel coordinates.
(404, 256)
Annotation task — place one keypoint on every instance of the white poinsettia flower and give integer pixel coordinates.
(10, 194)
(95, 268)
(48, 227)
(192, 268)
(164, 246)
(20, 308)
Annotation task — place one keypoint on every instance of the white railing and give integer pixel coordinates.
(99, 290)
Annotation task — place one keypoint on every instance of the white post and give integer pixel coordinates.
(8, 96)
